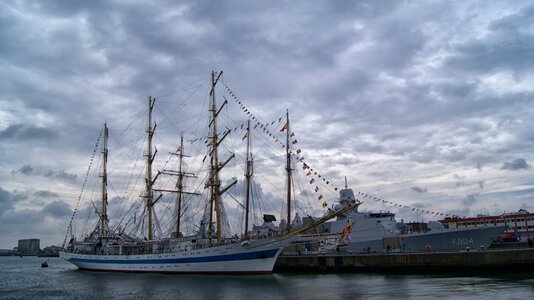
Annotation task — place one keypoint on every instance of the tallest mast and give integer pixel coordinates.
(288, 169)
(149, 196)
(215, 181)
(180, 186)
(216, 167)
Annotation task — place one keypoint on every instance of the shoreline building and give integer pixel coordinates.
(520, 223)
(29, 247)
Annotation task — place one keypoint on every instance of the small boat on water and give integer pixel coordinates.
(44, 264)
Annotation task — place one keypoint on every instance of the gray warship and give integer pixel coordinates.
(380, 232)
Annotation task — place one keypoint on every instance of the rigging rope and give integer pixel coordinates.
(83, 188)
(306, 165)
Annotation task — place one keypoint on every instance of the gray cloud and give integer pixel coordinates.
(61, 175)
(46, 194)
(456, 176)
(421, 205)
(28, 170)
(419, 189)
(25, 170)
(19, 131)
(57, 209)
(516, 164)
(502, 49)
(469, 200)
(8, 200)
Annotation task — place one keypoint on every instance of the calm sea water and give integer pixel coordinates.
(23, 278)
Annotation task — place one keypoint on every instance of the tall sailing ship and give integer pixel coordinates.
(113, 248)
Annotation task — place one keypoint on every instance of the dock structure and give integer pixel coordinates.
(463, 261)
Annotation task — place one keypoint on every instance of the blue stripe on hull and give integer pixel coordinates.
(182, 272)
(218, 258)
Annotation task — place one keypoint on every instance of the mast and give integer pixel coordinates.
(180, 186)
(150, 158)
(248, 176)
(288, 170)
(215, 181)
(103, 213)
(179, 183)
(216, 167)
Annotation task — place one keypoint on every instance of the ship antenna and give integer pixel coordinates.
(346, 186)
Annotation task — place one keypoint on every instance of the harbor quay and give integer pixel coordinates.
(420, 262)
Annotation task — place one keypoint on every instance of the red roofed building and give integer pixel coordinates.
(522, 220)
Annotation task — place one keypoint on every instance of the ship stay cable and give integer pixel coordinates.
(69, 228)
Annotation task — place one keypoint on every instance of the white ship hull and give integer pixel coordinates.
(254, 258)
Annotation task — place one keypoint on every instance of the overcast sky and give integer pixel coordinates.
(426, 104)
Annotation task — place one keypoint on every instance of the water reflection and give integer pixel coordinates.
(23, 278)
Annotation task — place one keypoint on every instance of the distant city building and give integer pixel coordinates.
(520, 223)
(51, 251)
(6, 252)
(28, 247)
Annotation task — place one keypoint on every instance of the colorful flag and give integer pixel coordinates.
(292, 134)
(178, 149)
(309, 173)
(298, 151)
(294, 142)
(320, 196)
(284, 128)
(245, 136)
(346, 231)
(325, 204)
(312, 181)
(316, 189)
